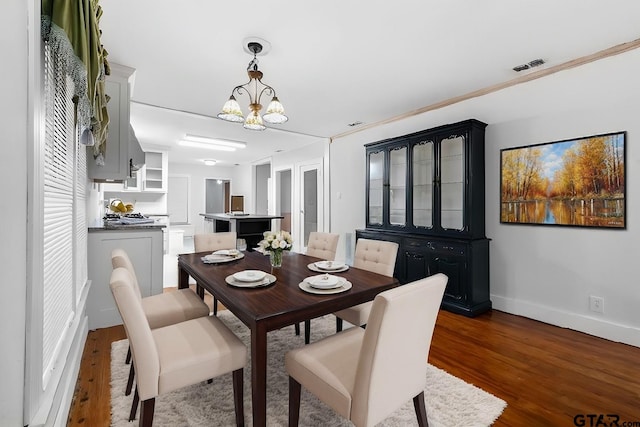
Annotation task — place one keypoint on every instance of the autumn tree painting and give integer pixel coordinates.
(574, 182)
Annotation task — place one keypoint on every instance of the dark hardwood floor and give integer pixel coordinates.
(547, 375)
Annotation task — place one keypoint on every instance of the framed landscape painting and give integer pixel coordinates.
(578, 182)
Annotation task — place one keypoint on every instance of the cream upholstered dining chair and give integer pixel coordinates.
(162, 309)
(178, 355)
(367, 374)
(324, 246)
(213, 242)
(373, 255)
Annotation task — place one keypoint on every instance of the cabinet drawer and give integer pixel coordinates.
(450, 248)
(439, 246)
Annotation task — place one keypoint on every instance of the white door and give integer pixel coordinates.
(311, 201)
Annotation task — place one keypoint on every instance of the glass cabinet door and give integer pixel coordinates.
(452, 183)
(422, 162)
(376, 175)
(398, 186)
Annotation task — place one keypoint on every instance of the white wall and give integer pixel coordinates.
(13, 205)
(545, 273)
(306, 153)
(197, 194)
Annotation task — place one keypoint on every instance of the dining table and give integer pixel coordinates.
(278, 304)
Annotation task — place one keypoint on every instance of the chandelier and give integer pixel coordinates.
(254, 88)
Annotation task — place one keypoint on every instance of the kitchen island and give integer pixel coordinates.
(144, 245)
(247, 227)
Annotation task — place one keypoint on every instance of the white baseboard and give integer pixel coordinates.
(577, 322)
(70, 376)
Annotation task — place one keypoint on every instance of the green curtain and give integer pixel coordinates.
(71, 27)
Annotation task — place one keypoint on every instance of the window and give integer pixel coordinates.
(58, 191)
(59, 236)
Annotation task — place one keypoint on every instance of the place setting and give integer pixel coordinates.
(325, 284)
(222, 255)
(250, 279)
(328, 267)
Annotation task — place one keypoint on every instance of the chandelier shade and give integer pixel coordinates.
(231, 111)
(255, 88)
(253, 120)
(275, 112)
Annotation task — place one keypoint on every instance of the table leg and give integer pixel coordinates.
(183, 278)
(259, 375)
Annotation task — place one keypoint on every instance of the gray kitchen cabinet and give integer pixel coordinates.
(144, 245)
(116, 166)
(152, 177)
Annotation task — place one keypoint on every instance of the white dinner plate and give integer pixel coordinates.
(313, 267)
(305, 286)
(249, 275)
(330, 265)
(324, 281)
(217, 259)
(268, 279)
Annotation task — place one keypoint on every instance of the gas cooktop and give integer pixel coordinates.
(116, 216)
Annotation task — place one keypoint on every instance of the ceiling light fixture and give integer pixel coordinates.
(209, 162)
(194, 144)
(254, 88)
(214, 141)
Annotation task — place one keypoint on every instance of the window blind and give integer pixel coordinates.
(80, 248)
(58, 198)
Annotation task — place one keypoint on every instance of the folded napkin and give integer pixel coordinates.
(226, 252)
(325, 281)
(330, 265)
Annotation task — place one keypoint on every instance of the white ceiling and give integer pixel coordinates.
(334, 62)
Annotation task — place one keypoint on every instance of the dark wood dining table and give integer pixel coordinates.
(280, 304)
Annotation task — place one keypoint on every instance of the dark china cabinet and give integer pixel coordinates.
(425, 191)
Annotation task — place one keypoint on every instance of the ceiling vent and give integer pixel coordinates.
(532, 64)
(536, 63)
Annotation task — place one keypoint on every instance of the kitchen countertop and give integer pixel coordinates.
(225, 216)
(102, 225)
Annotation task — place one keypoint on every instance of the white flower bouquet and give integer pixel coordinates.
(274, 243)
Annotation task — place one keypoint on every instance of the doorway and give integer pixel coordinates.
(217, 195)
(263, 176)
(284, 193)
(311, 200)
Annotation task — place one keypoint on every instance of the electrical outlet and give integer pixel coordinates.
(596, 304)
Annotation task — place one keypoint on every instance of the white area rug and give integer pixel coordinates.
(449, 400)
